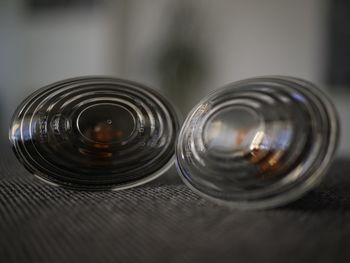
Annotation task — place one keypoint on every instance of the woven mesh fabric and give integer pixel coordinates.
(166, 222)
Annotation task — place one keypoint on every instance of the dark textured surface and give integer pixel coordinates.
(166, 222)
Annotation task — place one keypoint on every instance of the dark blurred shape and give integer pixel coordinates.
(182, 63)
(50, 5)
(339, 62)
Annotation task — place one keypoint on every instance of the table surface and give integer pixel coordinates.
(165, 222)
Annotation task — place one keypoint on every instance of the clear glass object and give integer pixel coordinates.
(258, 143)
(95, 133)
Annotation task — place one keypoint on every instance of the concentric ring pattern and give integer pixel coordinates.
(258, 143)
(95, 133)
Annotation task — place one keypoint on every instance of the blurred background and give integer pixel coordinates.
(184, 48)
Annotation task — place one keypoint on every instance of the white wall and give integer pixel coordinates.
(245, 38)
(274, 37)
(37, 50)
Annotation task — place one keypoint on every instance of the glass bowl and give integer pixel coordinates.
(95, 133)
(258, 143)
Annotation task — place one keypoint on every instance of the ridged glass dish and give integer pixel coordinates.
(95, 133)
(258, 143)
